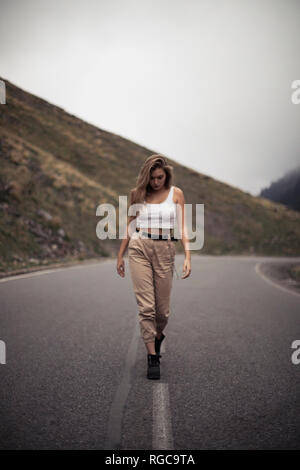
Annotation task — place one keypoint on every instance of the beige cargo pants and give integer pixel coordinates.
(151, 265)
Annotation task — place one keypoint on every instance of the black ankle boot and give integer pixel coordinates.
(153, 366)
(158, 343)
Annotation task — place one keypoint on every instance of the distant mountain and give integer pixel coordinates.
(285, 190)
(56, 169)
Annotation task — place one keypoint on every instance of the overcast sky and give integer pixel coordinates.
(207, 83)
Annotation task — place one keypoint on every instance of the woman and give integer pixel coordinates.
(151, 251)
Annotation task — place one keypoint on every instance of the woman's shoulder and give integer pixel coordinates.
(132, 195)
(178, 193)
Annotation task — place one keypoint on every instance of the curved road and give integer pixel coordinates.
(75, 371)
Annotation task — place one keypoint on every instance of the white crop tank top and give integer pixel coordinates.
(158, 215)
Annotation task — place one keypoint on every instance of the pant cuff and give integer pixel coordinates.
(149, 340)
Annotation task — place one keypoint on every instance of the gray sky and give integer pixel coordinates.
(205, 82)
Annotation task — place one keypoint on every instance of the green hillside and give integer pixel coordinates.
(56, 169)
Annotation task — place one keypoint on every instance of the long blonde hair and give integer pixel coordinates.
(142, 188)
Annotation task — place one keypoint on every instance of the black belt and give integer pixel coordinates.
(158, 236)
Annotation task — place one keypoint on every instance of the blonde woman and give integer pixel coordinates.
(151, 251)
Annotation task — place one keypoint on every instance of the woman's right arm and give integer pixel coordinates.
(125, 240)
(122, 249)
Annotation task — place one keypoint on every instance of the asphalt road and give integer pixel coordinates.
(75, 371)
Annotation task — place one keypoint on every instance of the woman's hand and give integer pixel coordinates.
(187, 269)
(121, 266)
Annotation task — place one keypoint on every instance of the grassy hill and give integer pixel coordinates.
(56, 169)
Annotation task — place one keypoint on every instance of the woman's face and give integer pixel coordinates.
(157, 179)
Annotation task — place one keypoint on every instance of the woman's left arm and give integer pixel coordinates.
(183, 233)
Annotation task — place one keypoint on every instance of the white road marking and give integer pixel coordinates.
(162, 436)
(48, 271)
(24, 276)
(114, 427)
(270, 281)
